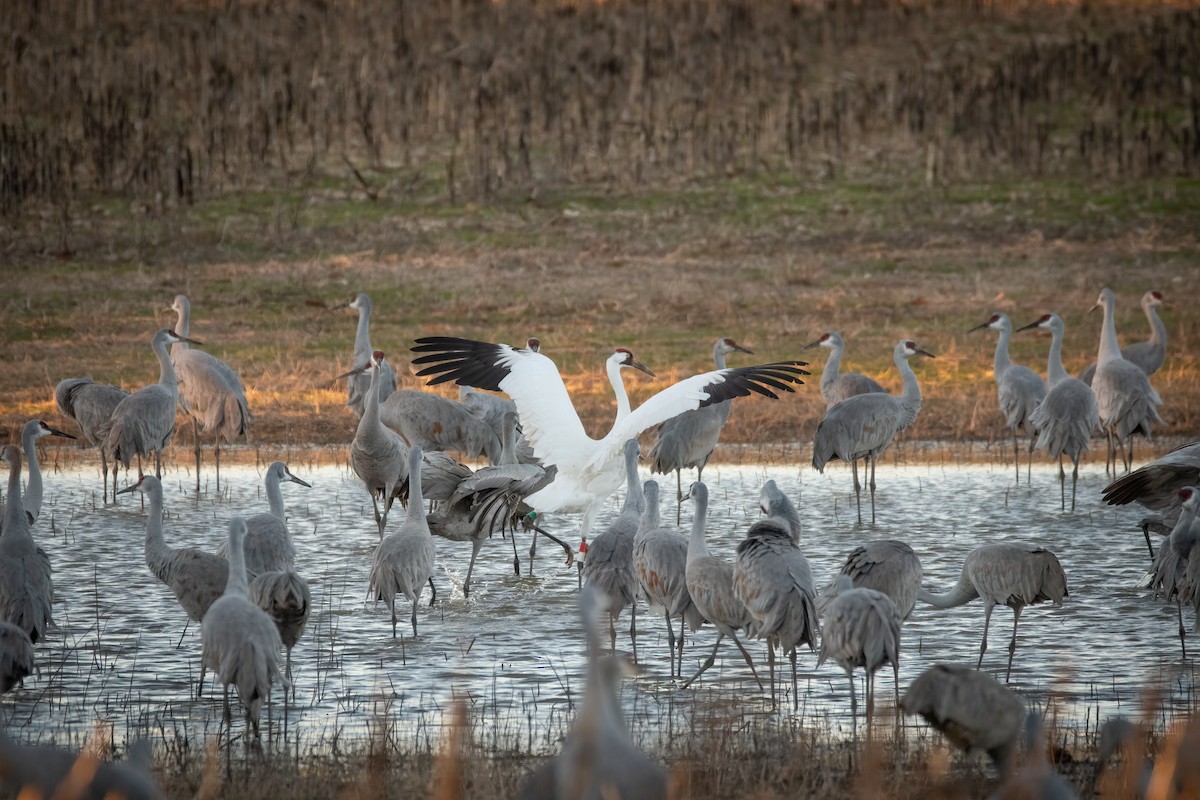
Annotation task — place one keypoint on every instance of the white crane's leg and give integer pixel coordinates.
(749, 660)
(857, 485)
(987, 620)
(1012, 645)
(708, 662)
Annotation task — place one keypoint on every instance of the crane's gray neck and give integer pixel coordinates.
(833, 366)
(182, 326)
(370, 418)
(1158, 330)
(636, 498)
(910, 398)
(1109, 349)
(166, 371)
(415, 497)
(274, 495)
(237, 583)
(32, 502)
(508, 444)
(618, 385)
(1001, 362)
(719, 355)
(958, 596)
(1054, 366)
(14, 511)
(650, 517)
(155, 544)
(362, 335)
(697, 547)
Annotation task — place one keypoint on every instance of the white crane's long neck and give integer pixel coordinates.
(833, 366)
(274, 495)
(14, 512)
(32, 502)
(182, 327)
(362, 335)
(237, 583)
(166, 371)
(1158, 330)
(1001, 362)
(1109, 349)
(618, 385)
(1054, 365)
(697, 547)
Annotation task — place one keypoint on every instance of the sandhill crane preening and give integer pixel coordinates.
(285, 596)
(197, 578)
(378, 456)
(1126, 400)
(1067, 416)
(710, 584)
(42, 770)
(773, 580)
(33, 430)
(862, 629)
(145, 420)
(609, 562)
(885, 565)
(210, 391)
(403, 561)
(1147, 356)
(1036, 779)
(26, 588)
(660, 565)
(837, 386)
(91, 405)
(16, 656)
(1019, 389)
(687, 441)
(359, 382)
(268, 544)
(971, 708)
(1008, 574)
(864, 425)
(589, 470)
(237, 638)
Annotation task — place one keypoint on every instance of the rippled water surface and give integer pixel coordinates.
(514, 650)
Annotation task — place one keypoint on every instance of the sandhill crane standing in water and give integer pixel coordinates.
(1156, 486)
(144, 422)
(1067, 416)
(359, 382)
(31, 500)
(864, 425)
(589, 470)
(862, 629)
(91, 405)
(268, 544)
(237, 638)
(285, 596)
(1126, 400)
(1147, 356)
(378, 456)
(26, 588)
(1174, 573)
(210, 391)
(687, 441)
(710, 584)
(403, 561)
(773, 580)
(971, 708)
(836, 386)
(1019, 389)
(885, 565)
(16, 656)
(196, 578)
(1007, 574)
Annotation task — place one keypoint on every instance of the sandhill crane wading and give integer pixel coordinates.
(1148, 356)
(31, 500)
(359, 382)
(1174, 573)
(16, 656)
(885, 565)
(26, 587)
(268, 545)
(1156, 486)
(836, 386)
(1018, 388)
(403, 561)
(91, 405)
(378, 456)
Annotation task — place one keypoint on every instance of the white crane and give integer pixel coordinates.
(210, 391)
(403, 561)
(1005, 574)
(864, 425)
(710, 584)
(1149, 356)
(1126, 400)
(1067, 415)
(268, 543)
(238, 640)
(885, 565)
(687, 441)
(360, 383)
(91, 405)
(836, 386)
(589, 470)
(378, 456)
(1019, 389)
(31, 500)
(144, 422)
(773, 580)
(26, 588)
(16, 656)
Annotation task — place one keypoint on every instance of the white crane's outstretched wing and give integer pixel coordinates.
(548, 417)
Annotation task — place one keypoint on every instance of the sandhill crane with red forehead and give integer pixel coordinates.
(1150, 355)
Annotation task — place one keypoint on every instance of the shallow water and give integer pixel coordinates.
(514, 650)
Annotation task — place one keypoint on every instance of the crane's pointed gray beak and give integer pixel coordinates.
(982, 327)
(128, 489)
(1093, 308)
(811, 345)
(642, 367)
(179, 338)
(57, 432)
(355, 371)
(294, 479)
(741, 349)
(924, 353)
(1033, 324)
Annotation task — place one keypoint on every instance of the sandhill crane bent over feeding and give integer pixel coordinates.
(26, 588)
(91, 405)
(864, 425)
(285, 596)
(145, 420)
(16, 656)
(688, 440)
(31, 501)
(378, 456)
(1126, 400)
(885, 565)
(237, 638)
(589, 470)
(403, 561)
(1019, 389)
(836, 386)
(1148, 356)
(268, 544)
(210, 391)
(1007, 574)
(360, 383)
(1067, 416)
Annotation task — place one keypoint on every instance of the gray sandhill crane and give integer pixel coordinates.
(660, 565)
(599, 759)
(91, 405)
(773, 580)
(589, 470)
(862, 629)
(268, 544)
(836, 386)
(378, 456)
(885, 565)
(360, 382)
(435, 423)
(687, 441)
(609, 562)
(196, 578)
(864, 425)
(971, 708)
(237, 638)
(1156, 484)
(490, 410)
(1173, 574)
(1036, 779)
(26, 588)
(1067, 415)
(16, 656)
(144, 422)
(31, 500)
(1148, 356)
(1007, 574)
(710, 584)
(1126, 400)
(42, 770)
(403, 561)
(210, 391)
(285, 596)
(1019, 389)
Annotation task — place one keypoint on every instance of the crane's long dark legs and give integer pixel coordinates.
(633, 626)
(216, 460)
(200, 687)
(708, 662)
(1016, 455)
(670, 641)
(516, 558)
(870, 702)
(432, 592)
(478, 543)
(1146, 533)
(196, 440)
(749, 660)
(771, 668)
(532, 551)
(1182, 642)
(1029, 465)
(1062, 487)
(872, 488)
(679, 493)
(987, 620)
(795, 693)
(857, 485)
(679, 671)
(853, 705)
(1012, 645)
(416, 602)
(393, 605)
(1075, 480)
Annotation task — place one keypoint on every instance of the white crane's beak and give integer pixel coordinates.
(640, 366)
